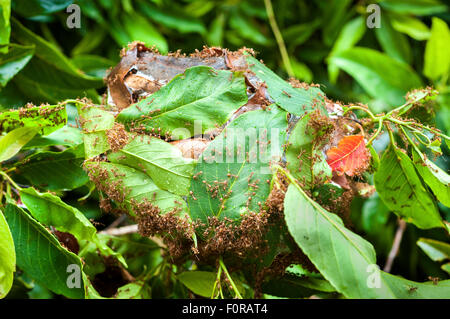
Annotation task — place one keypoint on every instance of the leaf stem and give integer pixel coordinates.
(278, 38)
(356, 107)
(380, 127)
(236, 291)
(10, 180)
(217, 282)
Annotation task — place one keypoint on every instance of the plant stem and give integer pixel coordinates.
(395, 245)
(380, 127)
(10, 180)
(279, 38)
(355, 107)
(236, 291)
(217, 282)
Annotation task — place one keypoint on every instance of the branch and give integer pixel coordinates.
(395, 245)
(130, 229)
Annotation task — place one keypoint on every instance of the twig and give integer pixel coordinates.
(130, 229)
(117, 222)
(395, 245)
(279, 38)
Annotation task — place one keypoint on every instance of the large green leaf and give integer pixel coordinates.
(381, 76)
(134, 290)
(411, 26)
(140, 29)
(294, 100)
(50, 210)
(436, 250)
(304, 159)
(40, 255)
(415, 7)
(46, 119)
(437, 179)
(199, 282)
(95, 123)
(125, 184)
(50, 76)
(11, 143)
(200, 94)
(7, 257)
(173, 19)
(65, 136)
(30, 8)
(402, 191)
(13, 61)
(394, 43)
(5, 26)
(349, 36)
(55, 170)
(52, 56)
(163, 162)
(344, 258)
(437, 57)
(232, 173)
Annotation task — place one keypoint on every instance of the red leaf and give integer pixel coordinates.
(350, 156)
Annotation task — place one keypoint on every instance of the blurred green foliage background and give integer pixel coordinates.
(326, 42)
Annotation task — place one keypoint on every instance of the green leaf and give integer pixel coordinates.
(294, 100)
(411, 26)
(49, 54)
(436, 250)
(45, 119)
(349, 36)
(381, 76)
(232, 173)
(124, 184)
(134, 290)
(402, 191)
(173, 19)
(11, 143)
(214, 37)
(95, 123)
(344, 258)
(55, 170)
(141, 254)
(335, 13)
(7, 258)
(163, 162)
(5, 27)
(437, 59)
(437, 179)
(414, 7)
(30, 8)
(14, 61)
(65, 136)
(199, 282)
(50, 210)
(446, 268)
(93, 65)
(304, 158)
(40, 255)
(301, 70)
(189, 97)
(248, 30)
(394, 43)
(140, 29)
